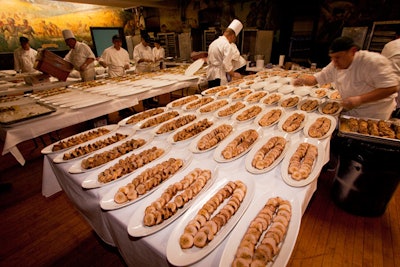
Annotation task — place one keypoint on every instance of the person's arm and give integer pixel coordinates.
(374, 95)
(87, 62)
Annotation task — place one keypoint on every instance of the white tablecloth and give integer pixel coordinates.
(65, 117)
(111, 226)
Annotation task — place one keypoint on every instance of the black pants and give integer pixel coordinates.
(214, 83)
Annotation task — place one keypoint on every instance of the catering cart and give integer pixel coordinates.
(368, 173)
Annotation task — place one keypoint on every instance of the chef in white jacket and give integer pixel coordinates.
(223, 56)
(143, 55)
(391, 50)
(24, 56)
(115, 58)
(80, 55)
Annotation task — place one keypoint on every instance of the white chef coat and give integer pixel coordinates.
(159, 55)
(143, 52)
(77, 56)
(391, 50)
(220, 59)
(367, 72)
(116, 60)
(24, 60)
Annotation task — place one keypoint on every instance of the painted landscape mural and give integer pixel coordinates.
(42, 21)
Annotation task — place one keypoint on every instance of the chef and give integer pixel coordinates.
(223, 56)
(365, 80)
(24, 56)
(115, 58)
(158, 54)
(143, 55)
(80, 56)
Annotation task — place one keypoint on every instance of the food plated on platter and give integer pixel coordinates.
(171, 200)
(191, 130)
(103, 156)
(156, 120)
(303, 162)
(330, 107)
(255, 97)
(293, 121)
(238, 144)
(227, 92)
(289, 101)
(179, 103)
(309, 104)
(273, 220)
(212, 137)
(132, 120)
(206, 224)
(145, 181)
(120, 168)
(78, 139)
(173, 124)
(213, 106)
(267, 152)
(92, 146)
(269, 117)
(248, 113)
(229, 110)
(319, 126)
(194, 105)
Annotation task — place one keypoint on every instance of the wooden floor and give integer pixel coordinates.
(39, 231)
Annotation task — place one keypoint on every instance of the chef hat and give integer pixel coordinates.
(236, 26)
(68, 34)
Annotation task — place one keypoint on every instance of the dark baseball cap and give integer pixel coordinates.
(343, 43)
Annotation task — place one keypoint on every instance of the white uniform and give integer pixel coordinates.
(24, 60)
(77, 56)
(392, 51)
(143, 52)
(220, 59)
(158, 55)
(116, 60)
(367, 72)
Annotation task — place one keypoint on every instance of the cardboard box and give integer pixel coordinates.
(52, 64)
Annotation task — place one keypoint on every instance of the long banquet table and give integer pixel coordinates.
(64, 117)
(150, 250)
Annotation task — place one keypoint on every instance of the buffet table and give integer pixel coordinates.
(64, 117)
(151, 250)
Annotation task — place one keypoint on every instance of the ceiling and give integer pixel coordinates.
(129, 3)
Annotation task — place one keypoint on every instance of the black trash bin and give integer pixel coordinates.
(367, 177)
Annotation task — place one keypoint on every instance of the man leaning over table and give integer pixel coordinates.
(115, 58)
(80, 56)
(365, 80)
(391, 50)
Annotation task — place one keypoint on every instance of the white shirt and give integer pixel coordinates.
(220, 57)
(78, 55)
(367, 72)
(158, 53)
(391, 50)
(116, 60)
(24, 60)
(143, 52)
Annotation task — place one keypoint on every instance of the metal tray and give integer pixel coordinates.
(365, 137)
(25, 114)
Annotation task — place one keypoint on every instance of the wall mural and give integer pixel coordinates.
(43, 20)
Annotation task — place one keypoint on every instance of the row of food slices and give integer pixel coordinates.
(207, 104)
